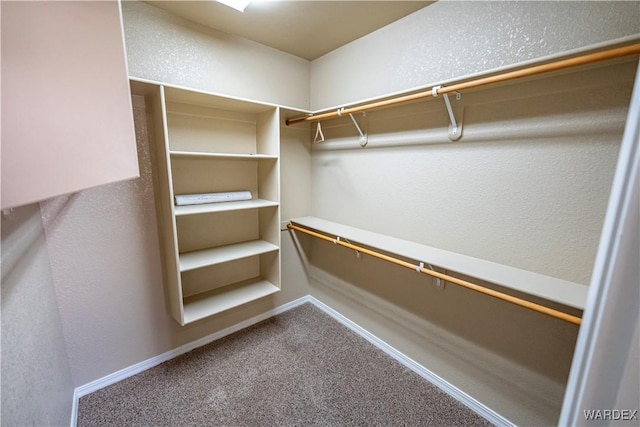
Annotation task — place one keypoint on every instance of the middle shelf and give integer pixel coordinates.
(204, 155)
(223, 207)
(212, 256)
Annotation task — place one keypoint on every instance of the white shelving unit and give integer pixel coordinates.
(217, 256)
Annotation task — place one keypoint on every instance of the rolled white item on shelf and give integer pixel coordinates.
(199, 199)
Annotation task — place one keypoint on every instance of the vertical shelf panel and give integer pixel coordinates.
(165, 208)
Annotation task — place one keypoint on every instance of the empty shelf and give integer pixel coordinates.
(223, 206)
(206, 304)
(229, 156)
(220, 254)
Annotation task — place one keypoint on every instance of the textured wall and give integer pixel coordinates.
(102, 242)
(105, 260)
(71, 145)
(450, 39)
(166, 48)
(526, 185)
(36, 382)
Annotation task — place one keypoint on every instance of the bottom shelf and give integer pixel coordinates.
(206, 304)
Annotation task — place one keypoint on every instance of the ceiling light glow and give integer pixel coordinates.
(239, 5)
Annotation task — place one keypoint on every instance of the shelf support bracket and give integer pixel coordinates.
(439, 283)
(364, 139)
(455, 128)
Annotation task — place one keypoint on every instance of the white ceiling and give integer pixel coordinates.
(307, 29)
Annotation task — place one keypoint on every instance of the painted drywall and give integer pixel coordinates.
(451, 39)
(527, 185)
(163, 47)
(106, 266)
(511, 360)
(36, 380)
(59, 147)
(295, 170)
(604, 372)
(102, 242)
(105, 259)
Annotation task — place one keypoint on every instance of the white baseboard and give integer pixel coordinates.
(448, 388)
(74, 409)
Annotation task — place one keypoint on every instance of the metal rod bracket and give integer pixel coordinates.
(455, 128)
(364, 138)
(438, 282)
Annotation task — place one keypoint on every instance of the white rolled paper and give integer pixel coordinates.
(199, 199)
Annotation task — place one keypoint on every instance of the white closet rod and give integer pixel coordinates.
(590, 58)
(420, 268)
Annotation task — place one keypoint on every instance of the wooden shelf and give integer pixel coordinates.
(223, 207)
(218, 300)
(212, 256)
(550, 288)
(226, 156)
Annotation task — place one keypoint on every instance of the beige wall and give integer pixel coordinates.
(102, 243)
(295, 168)
(527, 186)
(451, 39)
(169, 49)
(61, 147)
(105, 259)
(36, 381)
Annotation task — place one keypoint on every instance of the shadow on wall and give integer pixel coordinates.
(36, 381)
(460, 335)
(533, 340)
(22, 238)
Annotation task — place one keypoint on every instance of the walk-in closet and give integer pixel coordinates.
(438, 213)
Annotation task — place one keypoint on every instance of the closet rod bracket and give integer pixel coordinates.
(364, 138)
(455, 127)
(438, 282)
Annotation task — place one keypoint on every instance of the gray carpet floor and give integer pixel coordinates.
(300, 368)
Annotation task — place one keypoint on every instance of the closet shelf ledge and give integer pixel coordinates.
(550, 288)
